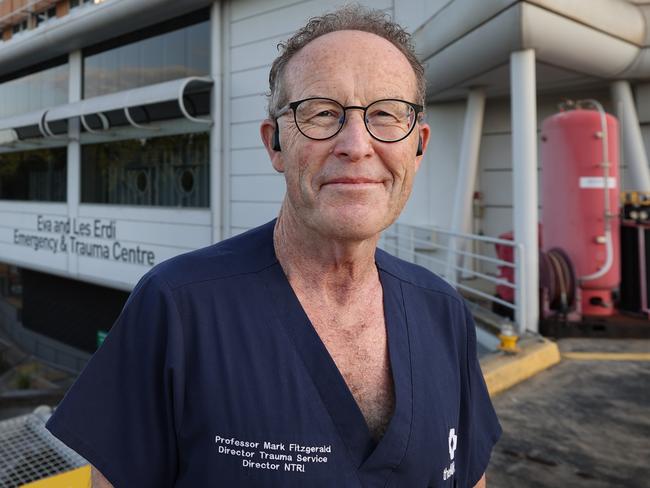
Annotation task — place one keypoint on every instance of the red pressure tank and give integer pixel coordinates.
(580, 200)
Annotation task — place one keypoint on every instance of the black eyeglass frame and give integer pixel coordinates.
(294, 105)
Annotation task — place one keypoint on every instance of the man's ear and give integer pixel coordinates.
(424, 135)
(267, 131)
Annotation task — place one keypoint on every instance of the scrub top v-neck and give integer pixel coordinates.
(213, 376)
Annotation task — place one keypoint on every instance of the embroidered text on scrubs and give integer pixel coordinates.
(247, 451)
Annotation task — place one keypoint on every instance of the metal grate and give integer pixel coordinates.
(28, 452)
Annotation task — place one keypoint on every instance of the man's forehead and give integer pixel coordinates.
(341, 52)
(347, 44)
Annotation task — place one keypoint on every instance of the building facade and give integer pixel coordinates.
(129, 130)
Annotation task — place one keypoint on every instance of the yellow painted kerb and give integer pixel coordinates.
(503, 371)
(607, 356)
(76, 478)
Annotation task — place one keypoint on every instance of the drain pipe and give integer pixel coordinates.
(609, 248)
(633, 147)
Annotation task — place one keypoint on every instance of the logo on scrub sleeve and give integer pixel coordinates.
(452, 442)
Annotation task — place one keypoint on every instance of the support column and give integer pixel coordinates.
(634, 154)
(215, 128)
(466, 177)
(75, 83)
(524, 181)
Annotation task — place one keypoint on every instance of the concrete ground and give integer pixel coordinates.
(581, 423)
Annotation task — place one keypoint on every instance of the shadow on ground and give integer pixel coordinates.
(578, 424)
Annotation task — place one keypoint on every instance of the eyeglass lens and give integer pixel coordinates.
(387, 120)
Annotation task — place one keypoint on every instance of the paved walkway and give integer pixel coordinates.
(582, 423)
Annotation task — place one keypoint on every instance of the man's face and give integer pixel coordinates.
(350, 186)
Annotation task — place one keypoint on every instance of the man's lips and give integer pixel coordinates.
(352, 181)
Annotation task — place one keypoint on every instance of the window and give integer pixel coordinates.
(34, 175)
(42, 89)
(17, 28)
(177, 54)
(171, 171)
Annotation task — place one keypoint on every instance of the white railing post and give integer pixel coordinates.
(520, 289)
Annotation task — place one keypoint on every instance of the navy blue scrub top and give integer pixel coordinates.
(213, 376)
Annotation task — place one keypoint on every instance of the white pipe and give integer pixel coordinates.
(73, 174)
(466, 177)
(215, 128)
(634, 151)
(524, 181)
(609, 247)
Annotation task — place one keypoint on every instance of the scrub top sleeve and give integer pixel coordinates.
(123, 412)
(484, 429)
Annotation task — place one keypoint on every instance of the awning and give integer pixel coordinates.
(186, 97)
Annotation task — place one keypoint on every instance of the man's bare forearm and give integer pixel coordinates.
(97, 479)
(481, 482)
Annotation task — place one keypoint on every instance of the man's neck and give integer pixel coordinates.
(336, 270)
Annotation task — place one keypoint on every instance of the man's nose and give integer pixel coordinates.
(353, 142)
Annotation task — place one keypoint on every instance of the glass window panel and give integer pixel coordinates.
(177, 54)
(60, 84)
(43, 89)
(128, 67)
(91, 76)
(198, 49)
(170, 171)
(34, 175)
(34, 93)
(152, 58)
(174, 55)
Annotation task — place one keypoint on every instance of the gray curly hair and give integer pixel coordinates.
(352, 17)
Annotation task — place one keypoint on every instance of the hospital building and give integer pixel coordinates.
(129, 133)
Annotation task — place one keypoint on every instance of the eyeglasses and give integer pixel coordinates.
(387, 120)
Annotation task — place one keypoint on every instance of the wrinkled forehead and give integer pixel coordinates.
(350, 61)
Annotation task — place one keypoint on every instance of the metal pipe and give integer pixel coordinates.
(216, 126)
(73, 174)
(609, 246)
(524, 173)
(634, 151)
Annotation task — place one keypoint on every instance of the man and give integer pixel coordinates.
(298, 355)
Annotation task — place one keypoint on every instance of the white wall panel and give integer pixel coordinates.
(251, 214)
(153, 233)
(148, 214)
(256, 55)
(286, 20)
(248, 109)
(496, 152)
(436, 180)
(250, 82)
(251, 162)
(109, 244)
(27, 257)
(248, 8)
(411, 14)
(269, 188)
(245, 136)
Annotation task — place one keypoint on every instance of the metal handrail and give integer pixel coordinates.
(498, 262)
(402, 239)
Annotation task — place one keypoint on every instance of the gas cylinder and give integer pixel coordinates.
(579, 195)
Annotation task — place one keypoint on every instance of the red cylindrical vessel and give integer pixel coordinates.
(573, 201)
